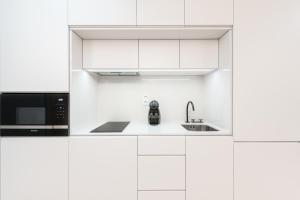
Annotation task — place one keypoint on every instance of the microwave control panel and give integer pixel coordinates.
(60, 105)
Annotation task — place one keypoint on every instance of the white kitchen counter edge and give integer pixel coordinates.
(163, 129)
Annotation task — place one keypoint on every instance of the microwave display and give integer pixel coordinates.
(30, 115)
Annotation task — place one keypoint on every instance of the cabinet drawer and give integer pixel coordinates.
(161, 172)
(161, 195)
(161, 145)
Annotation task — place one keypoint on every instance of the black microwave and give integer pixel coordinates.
(34, 114)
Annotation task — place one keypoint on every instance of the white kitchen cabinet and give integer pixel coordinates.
(198, 54)
(103, 167)
(161, 195)
(267, 170)
(209, 12)
(161, 145)
(159, 54)
(161, 172)
(160, 12)
(102, 12)
(75, 52)
(110, 54)
(209, 168)
(266, 70)
(34, 168)
(34, 45)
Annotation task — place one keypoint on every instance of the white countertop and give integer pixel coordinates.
(144, 129)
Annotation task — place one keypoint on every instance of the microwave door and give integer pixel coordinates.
(23, 109)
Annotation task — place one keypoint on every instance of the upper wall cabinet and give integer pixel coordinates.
(34, 45)
(209, 12)
(102, 12)
(266, 96)
(150, 12)
(159, 54)
(160, 12)
(198, 54)
(110, 54)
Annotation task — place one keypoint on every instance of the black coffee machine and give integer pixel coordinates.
(154, 114)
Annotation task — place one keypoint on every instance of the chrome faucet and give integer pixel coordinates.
(187, 110)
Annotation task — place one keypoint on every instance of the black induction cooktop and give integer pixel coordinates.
(111, 127)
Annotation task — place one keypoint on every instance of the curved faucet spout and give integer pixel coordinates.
(187, 110)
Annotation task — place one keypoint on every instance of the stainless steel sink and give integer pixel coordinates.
(197, 127)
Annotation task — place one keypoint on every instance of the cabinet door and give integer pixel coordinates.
(209, 168)
(34, 168)
(103, 168)
(160, 12)
(209, 12)
(34, 45)
(161, 172)
(266, 70)
(110, 54)
(102, 12)
(199, 54)
(159, 54)
(268, 171)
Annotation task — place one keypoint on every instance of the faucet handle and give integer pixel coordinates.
(197, 121)
(200, 121)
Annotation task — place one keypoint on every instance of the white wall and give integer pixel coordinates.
(98, 99)
(121, 98)
(83, 101)
(76, 46)
(218, 87)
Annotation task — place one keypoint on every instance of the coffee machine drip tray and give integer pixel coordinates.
(111, 127)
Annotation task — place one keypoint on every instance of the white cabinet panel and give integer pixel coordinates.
(110, 54)
(161, 172)
(268, 171)
(266, 74)
(102, 12)
(103, 168)
(161, 145)
(161, 195)
(34, 168)
(161, 54)
(34, 45)
(75, 51)
(209, 168)
(208, 12)
(160, 12)
(198, 53)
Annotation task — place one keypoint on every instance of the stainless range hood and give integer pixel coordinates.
(149, 72)
(118, 73)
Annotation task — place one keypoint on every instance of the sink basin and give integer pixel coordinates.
(194, 127)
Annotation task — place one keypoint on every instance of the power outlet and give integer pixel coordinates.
(145, 100)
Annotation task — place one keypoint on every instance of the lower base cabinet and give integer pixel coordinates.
(209, 168)
(103, 168)
(267, 170)
(116, 167)
(161, 195)
(161, 173)
(34, 168)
